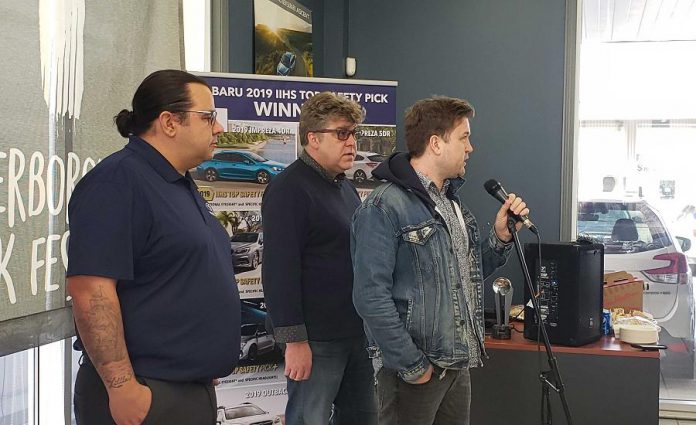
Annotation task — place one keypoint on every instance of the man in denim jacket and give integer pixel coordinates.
(419, 265)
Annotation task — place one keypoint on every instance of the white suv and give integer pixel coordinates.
(636, 240)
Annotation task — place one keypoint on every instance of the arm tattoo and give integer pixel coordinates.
(101, 327)
(116, 377)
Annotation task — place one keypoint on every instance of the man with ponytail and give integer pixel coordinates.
(154, 296)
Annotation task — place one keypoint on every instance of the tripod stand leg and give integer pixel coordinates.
(549, 418)
(543, 404)
(545, 401)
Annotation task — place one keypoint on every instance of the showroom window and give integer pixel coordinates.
(636, 143)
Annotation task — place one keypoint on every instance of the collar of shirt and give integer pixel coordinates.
(430, 186)
(156, 160)
(307, 159)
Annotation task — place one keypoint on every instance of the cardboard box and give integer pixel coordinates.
(621, 289)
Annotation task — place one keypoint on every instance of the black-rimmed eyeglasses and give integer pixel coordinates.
(343, 134)
(211, 116)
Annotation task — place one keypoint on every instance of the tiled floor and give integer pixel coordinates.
(677, 389)
(677, 371)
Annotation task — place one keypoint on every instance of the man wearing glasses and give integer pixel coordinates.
(154, 295)
(307, 271)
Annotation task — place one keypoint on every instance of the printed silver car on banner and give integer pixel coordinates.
(363, 165)
(247, 249)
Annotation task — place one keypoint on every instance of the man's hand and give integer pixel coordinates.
(298, 361)
(425, 378)
(130, 404)
(517, 206)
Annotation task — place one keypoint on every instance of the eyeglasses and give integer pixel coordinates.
(211, 116)
(342, 133)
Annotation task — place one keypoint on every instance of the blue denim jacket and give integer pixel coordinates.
(406, 279)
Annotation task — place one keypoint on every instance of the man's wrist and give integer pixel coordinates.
(416, 371)
(288, 334)
(118, 376)
(124, 387)
(496, 243)
(501, 240)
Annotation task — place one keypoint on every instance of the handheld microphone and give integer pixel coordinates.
(496, 190)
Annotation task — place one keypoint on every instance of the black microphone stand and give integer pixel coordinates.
(552, 373)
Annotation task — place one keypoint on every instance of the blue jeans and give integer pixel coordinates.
(342, 377)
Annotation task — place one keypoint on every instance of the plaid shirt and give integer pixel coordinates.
(460, 244)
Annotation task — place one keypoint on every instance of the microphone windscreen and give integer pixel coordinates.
(491, 186)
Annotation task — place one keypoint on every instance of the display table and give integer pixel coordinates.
(606, 382)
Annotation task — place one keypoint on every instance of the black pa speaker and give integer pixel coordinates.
(568, 281)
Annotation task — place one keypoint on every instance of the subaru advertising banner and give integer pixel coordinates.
(260, 116)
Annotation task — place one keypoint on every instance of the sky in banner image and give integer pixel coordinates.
(282, 38)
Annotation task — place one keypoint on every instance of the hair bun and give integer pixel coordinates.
(124, 122)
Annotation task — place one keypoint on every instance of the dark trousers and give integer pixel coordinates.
(342, 377)
(173, 403)
(444, 400)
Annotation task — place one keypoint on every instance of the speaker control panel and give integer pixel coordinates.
(548, 292)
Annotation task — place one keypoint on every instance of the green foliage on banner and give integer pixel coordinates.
(240, 140)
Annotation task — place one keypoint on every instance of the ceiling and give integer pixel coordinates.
(638, 20)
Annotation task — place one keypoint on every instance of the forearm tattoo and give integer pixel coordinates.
(101, 329)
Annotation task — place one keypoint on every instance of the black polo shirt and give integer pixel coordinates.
(135, 219)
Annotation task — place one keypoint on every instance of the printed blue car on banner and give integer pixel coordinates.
(239, 165)
(286, 64)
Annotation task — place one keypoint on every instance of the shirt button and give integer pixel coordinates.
(457, 286)
(451, 251)
(462, 322)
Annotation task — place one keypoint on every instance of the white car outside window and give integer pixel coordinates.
(636, 240)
